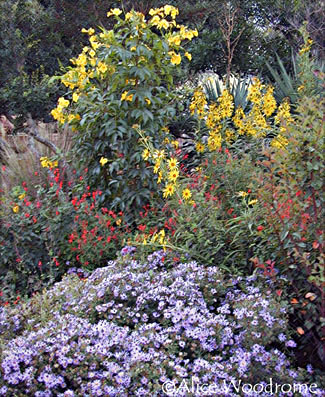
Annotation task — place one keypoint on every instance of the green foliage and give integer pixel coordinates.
(202, 227)
(125, 81)
(48, 228)
(285, 83)
(237, 87)
(307, 77)
(30, 94)
(291, 193)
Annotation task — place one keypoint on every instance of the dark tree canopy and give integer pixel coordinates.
(38, 37)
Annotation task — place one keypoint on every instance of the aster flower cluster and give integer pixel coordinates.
(130, 327)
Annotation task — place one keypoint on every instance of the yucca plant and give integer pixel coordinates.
(307, 77)
(286, 84)
(238, 87)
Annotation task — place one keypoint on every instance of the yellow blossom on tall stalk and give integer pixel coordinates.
(160, 177)
(172, 163)
(269, 102)
(306, 47)
(186, 194)
(146, 154)
(226, 104)
(199, 147)
(230, 135)
(169, 190)
(198, 103)
(213, 117)
(214, 141)
(239, 120)
(255, 91)
(173, 175)
(283, 113)
(279, 142)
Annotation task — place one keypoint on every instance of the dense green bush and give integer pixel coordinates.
(122, 79)
(291, 193)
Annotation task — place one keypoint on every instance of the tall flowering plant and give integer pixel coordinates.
(52, 227)
(291, 193)
(123, 79)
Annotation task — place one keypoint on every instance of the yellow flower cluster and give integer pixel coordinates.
(46, 163)
(160, 21)
(198, 103)
(57, 113)
(87, 66)
(217, 116)
(217, 113)
(126, 97)
(279, 141)
(283, 113)
(214, 140)
(269, 102)
(160, 237)
(306, 48)
(255, 91)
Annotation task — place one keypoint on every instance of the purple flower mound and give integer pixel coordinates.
(131, 327)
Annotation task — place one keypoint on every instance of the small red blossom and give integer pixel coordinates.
(142, 228)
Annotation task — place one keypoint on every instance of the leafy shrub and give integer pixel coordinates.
(291, 194)
(49, 229)
(198, 220)
(130, 327)
(122, 79)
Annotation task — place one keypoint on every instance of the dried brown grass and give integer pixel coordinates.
(20, 157)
